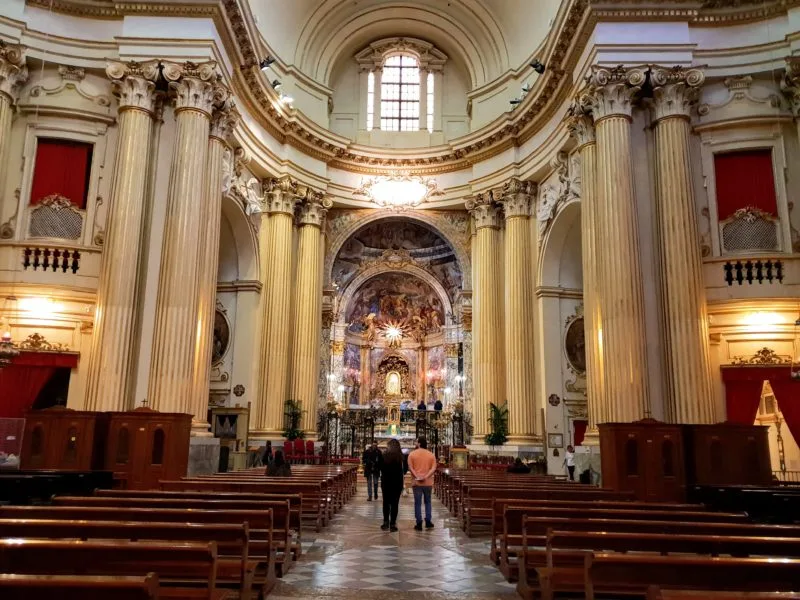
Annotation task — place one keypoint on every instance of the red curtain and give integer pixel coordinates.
(743, 392)
(787, 393)
(580, 431)
(62, 167)
(745, 178)
(24, 378)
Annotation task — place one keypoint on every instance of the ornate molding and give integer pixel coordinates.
(485, 211)
(195, 85)
(312, 210)
(224, 120)
(37, 343)
(134, 83)
(580, 122)
(516, 197)
(675, 91)
(765, 356)
(280, 195)
(611, 92)
(72, 78)
(373, 56)
(13, 71)
(790, 83)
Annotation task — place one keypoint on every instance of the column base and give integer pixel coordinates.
(591, 438)
(513, 450)
(201, 429)
(262, 436)
(203, 456)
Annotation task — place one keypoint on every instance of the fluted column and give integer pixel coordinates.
(690, 398)
(619, 273)
(519, 308)
(487, 312)
(308, 309)
(281, 196)
(13, 73)
(111, 376)
(195, 92)
(582, 128)
(223, 121)
(790, 84)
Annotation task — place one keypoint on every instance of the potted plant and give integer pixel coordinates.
(498, 425)
(293, 414)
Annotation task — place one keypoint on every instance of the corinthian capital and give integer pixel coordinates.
(485, 211)
(224, 120)
(134, 83)
(579, 121)
(516, 197)
(611, 91)
(195, 85)
(281, 195)
(675, 90)
(790, 84)
(13, 72)
(312, 210)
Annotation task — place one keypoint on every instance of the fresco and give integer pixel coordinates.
(436, 358)
(426, 248)
(352, 357)
(398, 298)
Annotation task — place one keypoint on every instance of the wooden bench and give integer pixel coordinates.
(634, 574)
(656, 593)
(260, 546)
(78, 587)
(235, 570)
(185, 570)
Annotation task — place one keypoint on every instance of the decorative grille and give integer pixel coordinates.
(750, 229)
(55, 217)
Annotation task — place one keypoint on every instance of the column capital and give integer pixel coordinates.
(224, 120)
(195, 85)
(580, 122)
(134, 83)
(281, 195)
(313, 208)
(675, 90)
(13, 71)
(790, 84)
(516, 197)
(485, 211)
(612, 90)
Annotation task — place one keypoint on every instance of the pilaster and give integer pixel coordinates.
(13, 73)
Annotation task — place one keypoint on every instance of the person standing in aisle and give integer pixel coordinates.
(392, 469)
(372, 459)
(569, 462)
(422, 465)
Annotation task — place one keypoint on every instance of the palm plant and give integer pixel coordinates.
(292, 413)
(498, 425)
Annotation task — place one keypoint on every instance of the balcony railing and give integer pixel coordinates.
(51, 259)
(753, 271)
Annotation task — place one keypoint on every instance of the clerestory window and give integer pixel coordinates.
(400, 94)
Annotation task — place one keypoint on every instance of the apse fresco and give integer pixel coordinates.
(436, 358)
(426, 248)
(352, 357)
(398, 298)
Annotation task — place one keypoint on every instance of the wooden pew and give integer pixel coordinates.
(260, 548)
(235, 569)
(78, 587)
(281, 515)
(185, 570)
(656, 593)
(632, 573)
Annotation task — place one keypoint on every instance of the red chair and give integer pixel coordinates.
(299, 450)
(287, 450)
(310, 457)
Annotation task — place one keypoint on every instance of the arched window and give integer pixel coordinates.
(400, 94)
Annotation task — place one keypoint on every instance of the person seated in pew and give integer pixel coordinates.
(518, 467)
(279, 467)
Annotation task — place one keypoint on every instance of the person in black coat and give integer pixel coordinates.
(371, 460)
(392, 472)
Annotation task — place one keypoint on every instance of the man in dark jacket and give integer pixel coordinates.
(372, 459)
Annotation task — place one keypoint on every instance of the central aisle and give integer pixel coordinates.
(353, 555)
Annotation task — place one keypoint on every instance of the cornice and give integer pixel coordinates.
(561, 53)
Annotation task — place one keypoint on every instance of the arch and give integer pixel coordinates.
(367, 274)
(240, 229)
(560, 262)
(437, 224)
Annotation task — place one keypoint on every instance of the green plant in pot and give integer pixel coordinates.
(498, 425)
(293, 415)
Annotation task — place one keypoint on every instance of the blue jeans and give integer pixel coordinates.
(372, 484)
(420, 492)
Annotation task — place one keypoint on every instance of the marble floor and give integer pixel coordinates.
(353, 558)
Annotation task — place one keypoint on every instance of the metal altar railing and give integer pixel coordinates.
(787, 476)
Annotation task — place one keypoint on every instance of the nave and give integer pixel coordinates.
(353, 558)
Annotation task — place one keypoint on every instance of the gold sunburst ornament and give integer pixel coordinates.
(393, 334)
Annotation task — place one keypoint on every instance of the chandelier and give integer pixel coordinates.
(7, 350)
(398, 191)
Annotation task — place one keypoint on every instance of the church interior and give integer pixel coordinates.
(556, 240)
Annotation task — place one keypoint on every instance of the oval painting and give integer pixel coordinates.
(222, 337)
(575, 345)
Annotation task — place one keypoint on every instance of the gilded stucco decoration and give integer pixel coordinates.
(765, 356)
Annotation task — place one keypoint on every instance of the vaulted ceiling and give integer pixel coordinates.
(485, 37)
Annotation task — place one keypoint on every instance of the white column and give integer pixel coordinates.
(13, 73)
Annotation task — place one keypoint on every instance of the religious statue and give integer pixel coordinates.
(369, 328)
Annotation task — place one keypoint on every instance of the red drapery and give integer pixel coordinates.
(580, 431)
(745, 178)
(787, 393)
(62, 167)
(24, 378)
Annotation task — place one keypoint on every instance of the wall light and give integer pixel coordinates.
(40, 307)
(762, 320)
(266, 63)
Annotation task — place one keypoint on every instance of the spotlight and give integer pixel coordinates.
(515, 102)
(266, 63)
(537, 66)
(526, 88)
(286, 99)
(276, 84)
